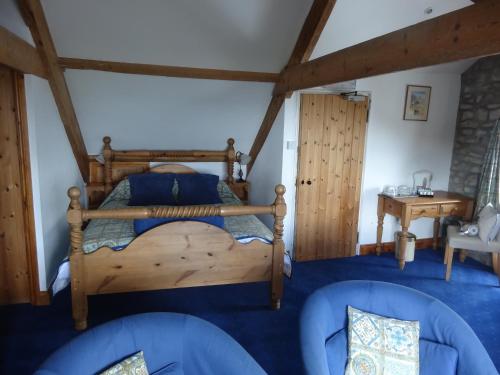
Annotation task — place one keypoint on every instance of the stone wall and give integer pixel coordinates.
(477, 114)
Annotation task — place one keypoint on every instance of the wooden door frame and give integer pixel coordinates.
(37, 297)
(299, 134)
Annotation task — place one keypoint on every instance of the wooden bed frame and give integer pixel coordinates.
(172, 255)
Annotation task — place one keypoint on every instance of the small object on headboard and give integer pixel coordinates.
(241, 190)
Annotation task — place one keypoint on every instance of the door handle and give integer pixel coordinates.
(309, 182)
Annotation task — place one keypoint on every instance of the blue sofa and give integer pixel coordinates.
(173, 344)
(447, 343)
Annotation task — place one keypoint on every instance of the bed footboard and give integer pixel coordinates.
(173, 255)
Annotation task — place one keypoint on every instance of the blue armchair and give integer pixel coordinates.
(172, 344)
(447, 343)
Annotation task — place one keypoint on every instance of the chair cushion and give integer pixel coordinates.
(198, 188)
(436, 358)
(336, 352)
(151, 189)
(489, 223)
(459, 241)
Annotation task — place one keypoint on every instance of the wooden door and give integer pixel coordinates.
(15, 194)
(332, 138)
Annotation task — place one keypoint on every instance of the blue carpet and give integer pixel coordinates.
(29, 334)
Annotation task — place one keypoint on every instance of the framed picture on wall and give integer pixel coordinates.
(417, 103)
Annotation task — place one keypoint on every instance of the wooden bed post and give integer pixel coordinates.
(278, 248)
(108, 168)
(231, 157)
(78, 296)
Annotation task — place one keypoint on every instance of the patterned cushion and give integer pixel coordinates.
(489, 223)
(133, 365)
(381, 346)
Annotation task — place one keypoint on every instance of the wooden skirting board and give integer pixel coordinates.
(423, 243)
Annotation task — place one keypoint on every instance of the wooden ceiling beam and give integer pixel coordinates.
(469, 32)
(311, 30)
(18, 54)
(166, 70)
(35, 19)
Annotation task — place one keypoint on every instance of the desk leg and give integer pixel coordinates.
(380, 224)
(402, 247)
(437, 224)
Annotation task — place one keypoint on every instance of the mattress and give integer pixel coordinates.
(117, 234)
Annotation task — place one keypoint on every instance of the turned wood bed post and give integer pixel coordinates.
(231, 157)
(278, 248)
(78, 296)
(108, 168)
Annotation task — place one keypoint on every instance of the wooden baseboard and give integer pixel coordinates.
(423, 243)
(42, 298)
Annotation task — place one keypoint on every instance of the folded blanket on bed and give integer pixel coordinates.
(117, 234)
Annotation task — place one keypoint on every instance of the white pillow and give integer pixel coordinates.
(489, 223)
(380, 345)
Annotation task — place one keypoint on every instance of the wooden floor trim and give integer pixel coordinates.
(423, 243)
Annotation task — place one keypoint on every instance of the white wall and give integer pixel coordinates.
(53, 167)
(289, 169)
(166, 113)
(227, 34)
(54, 170)
(394, 148)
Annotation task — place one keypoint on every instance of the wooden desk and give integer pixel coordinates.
(407, 209)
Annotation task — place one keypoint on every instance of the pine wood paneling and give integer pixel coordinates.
(332, 132)
(14, 268)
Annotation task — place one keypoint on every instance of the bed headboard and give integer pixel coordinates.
(118, 164)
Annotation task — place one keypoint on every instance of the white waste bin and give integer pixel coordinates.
(410, 246)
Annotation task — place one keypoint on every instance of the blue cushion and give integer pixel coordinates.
(336, 352)
(198, 188)
(151, 189)
(436, 358)
(143, 225)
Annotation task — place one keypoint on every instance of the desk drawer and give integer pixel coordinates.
(424, 211)
(391, 207)
(452, 209)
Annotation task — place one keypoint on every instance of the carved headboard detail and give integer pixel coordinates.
(119, 164)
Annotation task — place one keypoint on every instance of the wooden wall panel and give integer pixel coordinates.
(14, 269)
(332, 132)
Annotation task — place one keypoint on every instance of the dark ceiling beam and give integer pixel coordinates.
(473, 31)
(35, 19)
(18, 54)
(166, 70)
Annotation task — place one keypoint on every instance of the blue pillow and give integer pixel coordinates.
(436, 358)
(197, 188)
(143, 225)
(151, 189)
